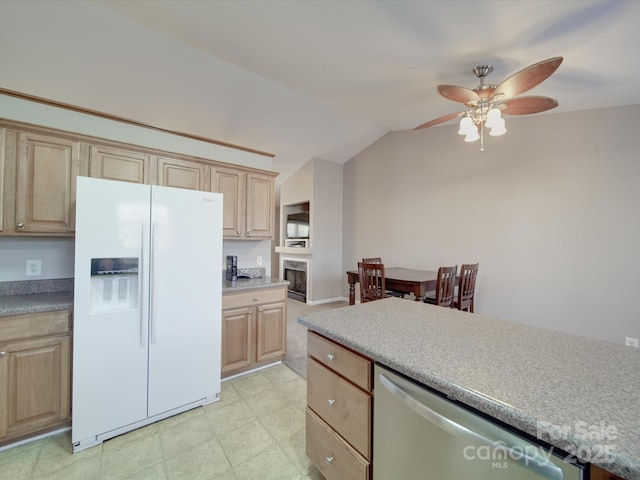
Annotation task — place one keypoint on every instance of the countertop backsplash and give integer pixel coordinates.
(26, 287)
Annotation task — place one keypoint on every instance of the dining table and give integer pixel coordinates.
(398, 279)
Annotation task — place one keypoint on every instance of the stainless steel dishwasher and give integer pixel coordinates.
(420, 435)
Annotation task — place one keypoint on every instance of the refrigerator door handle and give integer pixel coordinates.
(520, 453)
(152, 262)
(143, 326)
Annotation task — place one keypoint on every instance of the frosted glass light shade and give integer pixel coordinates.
(466, 126)
(472, 135)
(493, 117)
(498, 128)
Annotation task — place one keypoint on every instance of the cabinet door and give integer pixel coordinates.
(46, 171)
(271, 331)
(3, 137)
(173, 172)
(230, 183)
(237, 351)
(34, 385)
(260, 206)
(115, 164)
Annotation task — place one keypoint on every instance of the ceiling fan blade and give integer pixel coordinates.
(439, 120)
(458, 94)
(528, 78)
(527, 105)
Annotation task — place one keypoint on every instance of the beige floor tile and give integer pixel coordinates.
(267, 402)
(154, 472)
(18, 463)
(186, 435)
(295, 448)
(284, 423)
(272, 464)
(56, 454)
(250, 385)
(228, 395)
(230, 416)
(279, 374)
(130, 454)
(80, 469)
(245, 442)
(204, 462)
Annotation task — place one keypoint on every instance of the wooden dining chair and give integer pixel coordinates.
(466, 287)
(392, 293)
(445, 286)
(372, 281)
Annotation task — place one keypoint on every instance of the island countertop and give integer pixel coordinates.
(578, 394)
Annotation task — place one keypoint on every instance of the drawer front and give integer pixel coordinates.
(346, 408)
(28, 325)
(335, 459)
(350, 365)
(256, 297)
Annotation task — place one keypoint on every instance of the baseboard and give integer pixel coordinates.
(327, 300)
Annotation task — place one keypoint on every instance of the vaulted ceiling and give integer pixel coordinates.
(305, 79)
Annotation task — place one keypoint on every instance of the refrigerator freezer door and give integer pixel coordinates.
(185, 297)
(109, 344)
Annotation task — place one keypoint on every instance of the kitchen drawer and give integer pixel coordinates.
(256, 297)
(350, 365)
(29, 325)
(346, 408)
(335, 459)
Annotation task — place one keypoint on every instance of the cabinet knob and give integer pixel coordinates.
(238, 232)
(331, 401)
(249, 232)
(330, 357)
(3, 354)
(20, 225)
(255, 299)
(329, 459)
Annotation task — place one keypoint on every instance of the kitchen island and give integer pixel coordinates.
(578, 394)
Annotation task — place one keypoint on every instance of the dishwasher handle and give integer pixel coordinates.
(533, 462)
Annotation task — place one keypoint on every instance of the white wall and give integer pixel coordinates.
(56, 254)
(549, 210)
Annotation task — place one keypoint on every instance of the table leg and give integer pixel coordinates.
(419, 293)
(352, 293)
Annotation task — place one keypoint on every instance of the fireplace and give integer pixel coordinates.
(296, 273)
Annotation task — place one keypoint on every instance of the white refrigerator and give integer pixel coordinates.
(147, 305)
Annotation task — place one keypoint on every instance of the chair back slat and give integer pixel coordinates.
(467, 286)
(445, 286)
(372, 281)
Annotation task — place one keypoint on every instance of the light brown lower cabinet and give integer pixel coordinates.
(339, 410)
(254, 329)
(35, 373)
(598, 473)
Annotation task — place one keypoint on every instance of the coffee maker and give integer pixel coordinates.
(232, 268)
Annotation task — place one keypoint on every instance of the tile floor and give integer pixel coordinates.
(256, 431)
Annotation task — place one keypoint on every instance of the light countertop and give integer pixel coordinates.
(534, 379)
(252, 283)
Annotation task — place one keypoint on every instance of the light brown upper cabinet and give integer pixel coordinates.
(39, 183)
(174, 172)
(117, 164)
(249, 202)
(39, 166)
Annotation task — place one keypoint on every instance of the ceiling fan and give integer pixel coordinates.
(487, 103)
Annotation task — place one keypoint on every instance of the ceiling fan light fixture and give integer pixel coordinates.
(472, 135)
(466, 126)
(494, 117)
(498, 128)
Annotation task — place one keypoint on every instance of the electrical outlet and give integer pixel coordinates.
(34, 268)
(631, 342)
(259, 260)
